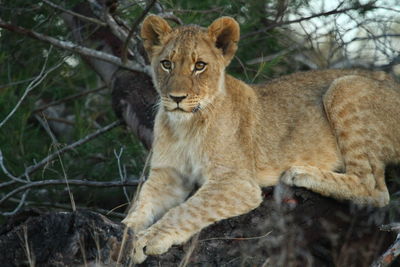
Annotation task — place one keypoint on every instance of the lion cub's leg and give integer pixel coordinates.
(214, 201)
(164, 189)
(364, 140)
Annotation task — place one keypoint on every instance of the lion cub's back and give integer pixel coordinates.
(303, 91)
(295, 127)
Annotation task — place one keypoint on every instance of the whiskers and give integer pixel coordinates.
(157, 105)
(206, 105)
(187, 108)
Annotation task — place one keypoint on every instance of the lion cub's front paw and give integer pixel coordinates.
(150, 242)
(297, 176)
(137, 222)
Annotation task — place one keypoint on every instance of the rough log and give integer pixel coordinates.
(300, 229)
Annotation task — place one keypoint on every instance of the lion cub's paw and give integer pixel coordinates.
(137, 222)
(150, 242)
(297, 176)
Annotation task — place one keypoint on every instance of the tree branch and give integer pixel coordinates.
(67, 45)
(393, 251)
(34, 184)
(69, 98)
(32, 85)
(133, 28)
(87, 138)
(89, 19)
(337, 10)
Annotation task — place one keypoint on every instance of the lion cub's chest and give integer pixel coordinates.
(186, 151)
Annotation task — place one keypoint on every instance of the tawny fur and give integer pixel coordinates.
(331, 131)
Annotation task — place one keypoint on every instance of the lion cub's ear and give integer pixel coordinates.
(153, 29)
(225, 32)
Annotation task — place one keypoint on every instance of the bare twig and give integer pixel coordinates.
(74, 47)
(5, 184)
(21, 202)
(337, 10)
(114, 27)
(205, 11)
(82, 141)
(60, 120)
(16, 83)
(122, 171)
(391, 227)
(68, 207)
(193, 243)
(35, 184)
(27, 248)
(69, 98)
(9, 175)
(32, 85)
(46, 127)
(390, 255)
(89, 19)
(237, 238)
(133, 28)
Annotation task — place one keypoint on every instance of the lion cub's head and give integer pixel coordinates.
(189, 61)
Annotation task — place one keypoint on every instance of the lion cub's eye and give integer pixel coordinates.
(199, 65)
(166, 64)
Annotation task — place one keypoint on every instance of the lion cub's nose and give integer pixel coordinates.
(177, 99)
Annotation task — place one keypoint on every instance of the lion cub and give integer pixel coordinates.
(329, 131)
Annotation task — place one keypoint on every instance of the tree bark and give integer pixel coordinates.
(298, 228)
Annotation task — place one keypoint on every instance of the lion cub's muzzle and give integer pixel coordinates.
(181, 103)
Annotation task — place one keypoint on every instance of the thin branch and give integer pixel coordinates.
(46, 127)
(337, 10)
(2, 86)
(21, 202)
(122, 171)
(32, 85)
(59, 120)
(67, 45)
(5, 184)
(122, 34)
(68, 98)
(391, 227)
(35, 184)
(114, 27)
(205, 11)
(82, 141)
(133, 28)
(68, 207)
(93, 20)
(390, 255)
(9, 175)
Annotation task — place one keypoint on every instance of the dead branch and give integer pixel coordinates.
(31, 169)
(73, 47)
(393, 251)
(35, 184)
(80, 16)
(335, 11)
(32, 85)
(133, 28)
(68, 207)
(69, 98)
(8, 174)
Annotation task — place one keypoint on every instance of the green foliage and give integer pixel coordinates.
(24, 139)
